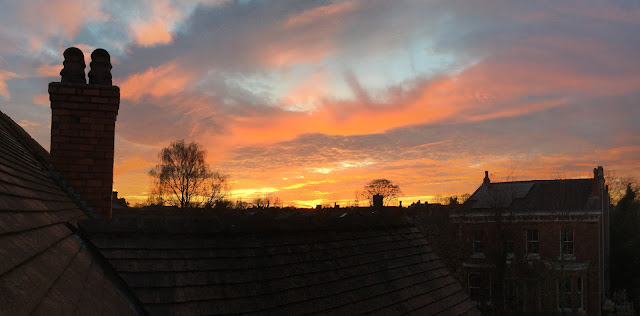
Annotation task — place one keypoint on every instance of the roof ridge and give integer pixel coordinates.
(544, 180)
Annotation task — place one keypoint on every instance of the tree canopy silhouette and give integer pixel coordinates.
(625, 242)
(184, 179)
(384, 187)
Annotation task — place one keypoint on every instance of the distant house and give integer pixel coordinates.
(539, 245)
(118, 202)
(63, 251)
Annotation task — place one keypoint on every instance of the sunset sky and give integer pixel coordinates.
(310, 100)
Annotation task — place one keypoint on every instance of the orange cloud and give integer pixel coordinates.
(158, 28)
(151, 33)
(166, 79)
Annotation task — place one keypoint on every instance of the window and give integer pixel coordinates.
(532, 241)
(507, 246)
(479, 288)
(565, 292)
(478, 245)
(579, 290)
(566, 241)
(513, 295)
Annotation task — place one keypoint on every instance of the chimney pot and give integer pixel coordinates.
(600, 172)
(73, 71)
(486, 179)
(100, 67)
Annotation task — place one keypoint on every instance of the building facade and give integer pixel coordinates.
(537, 246)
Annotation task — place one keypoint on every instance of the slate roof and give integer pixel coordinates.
(536, 195)
(277, 262)
(44, 267)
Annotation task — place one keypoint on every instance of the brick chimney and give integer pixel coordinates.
(486, 179)
(83, 118)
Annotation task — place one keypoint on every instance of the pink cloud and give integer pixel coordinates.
(304, 37)
(4, 77)
(320, 14)
(54, 70)
(308, 94)
(41, 99)
(43, 19)
(49, 70)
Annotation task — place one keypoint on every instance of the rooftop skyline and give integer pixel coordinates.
(309, 101)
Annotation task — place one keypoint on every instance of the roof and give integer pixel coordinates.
(536, 195)
(278, 262)
(44, 266)
(56, 259)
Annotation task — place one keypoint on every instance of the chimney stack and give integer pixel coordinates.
(83, 118)
(486, 179)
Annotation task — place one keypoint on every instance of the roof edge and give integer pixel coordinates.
(42, 155)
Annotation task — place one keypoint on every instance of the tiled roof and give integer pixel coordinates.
(280, 262)
(536, 195)
(44, 266)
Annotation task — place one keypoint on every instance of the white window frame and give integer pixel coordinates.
(579, 289)
(567, 256)
(475, 252)
(528, 253)
(562, 292)
(581, 293)
(509, 241)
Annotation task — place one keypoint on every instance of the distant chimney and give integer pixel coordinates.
(378, 201)
(83, 118)
(598, 181)
(486, 179)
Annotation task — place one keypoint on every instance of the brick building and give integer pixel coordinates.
(540, 245)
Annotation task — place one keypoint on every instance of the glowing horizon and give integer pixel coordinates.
(309, 101)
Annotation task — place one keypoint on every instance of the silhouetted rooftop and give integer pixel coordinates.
(44, 266)
(278, 262)
(536, 195)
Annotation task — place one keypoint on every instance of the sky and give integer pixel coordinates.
(308, 101)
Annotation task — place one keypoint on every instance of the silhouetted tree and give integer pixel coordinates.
(452, 199)
(625, 244)
(183, 178)
(216, 186)
(384, 187)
